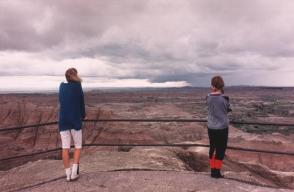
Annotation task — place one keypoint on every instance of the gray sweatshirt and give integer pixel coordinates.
(218, 108)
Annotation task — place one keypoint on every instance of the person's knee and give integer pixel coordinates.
(78, 144)
(65, 151)
(78, 147)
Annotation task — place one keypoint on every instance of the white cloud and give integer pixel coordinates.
(51, 83)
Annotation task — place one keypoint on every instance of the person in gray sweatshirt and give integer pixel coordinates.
(218, 124)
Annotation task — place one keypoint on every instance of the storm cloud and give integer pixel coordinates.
(155, 41)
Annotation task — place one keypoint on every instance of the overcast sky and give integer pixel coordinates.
(132, 43)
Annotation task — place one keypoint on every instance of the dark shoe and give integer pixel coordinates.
(218, 174)
(213, 172)
(78, 171)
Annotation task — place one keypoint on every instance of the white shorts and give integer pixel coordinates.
(66, 138)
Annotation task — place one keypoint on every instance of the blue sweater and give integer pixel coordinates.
(72, 106)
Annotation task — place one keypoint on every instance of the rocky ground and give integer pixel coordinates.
(156, 169)
(146, 169)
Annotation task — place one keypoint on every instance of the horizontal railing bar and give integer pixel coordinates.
(150, 120)
(28, 126)
(187, 120)
(146, 120)
(154, 145)
(262, 123)
(31, 154)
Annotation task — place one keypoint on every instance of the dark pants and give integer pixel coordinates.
(218, 139)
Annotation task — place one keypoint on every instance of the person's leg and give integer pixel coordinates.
(78, 141)
(65, 140)
(220, 150)
(76, 164)
(77, 154)
(65, 158)
(212, 148)
(77, 137)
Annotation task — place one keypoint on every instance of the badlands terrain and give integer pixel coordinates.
(150, 168)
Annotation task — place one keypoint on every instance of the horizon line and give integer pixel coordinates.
(89, 89)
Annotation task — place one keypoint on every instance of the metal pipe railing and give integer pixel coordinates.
(150, 145)
(150, 120)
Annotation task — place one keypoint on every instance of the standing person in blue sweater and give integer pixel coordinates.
(71, 114)
(218, 125)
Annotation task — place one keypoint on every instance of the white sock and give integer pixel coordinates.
(68, 173)
(74, 174)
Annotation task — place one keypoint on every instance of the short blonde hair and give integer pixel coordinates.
(218, 82)
(71, 74)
